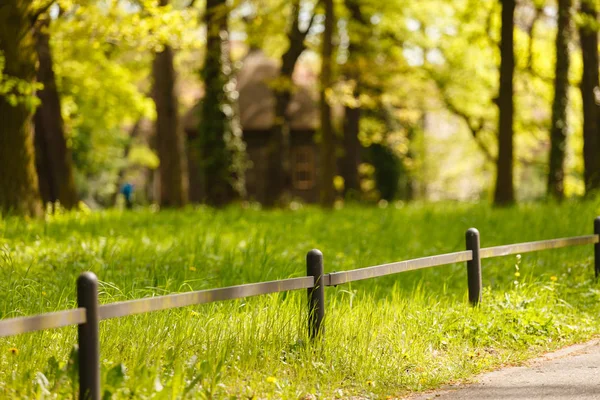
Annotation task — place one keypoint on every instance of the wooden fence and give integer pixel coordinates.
(89, 313)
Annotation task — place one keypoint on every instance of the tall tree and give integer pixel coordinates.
(358, 25)
(170, 143)
(558, 131)
(278, 146)
(19, 192)
(219, 131)
(327, 155)
(590, 86)
(54, 162)
(504, 193)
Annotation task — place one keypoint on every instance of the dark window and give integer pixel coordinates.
(303, 167)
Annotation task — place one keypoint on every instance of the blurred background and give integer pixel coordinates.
(279, 102)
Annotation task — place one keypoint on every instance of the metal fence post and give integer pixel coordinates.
(316, 295)
(597, 248)
(474, 266)
(89, 347)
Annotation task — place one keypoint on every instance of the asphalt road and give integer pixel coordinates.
(570, 373)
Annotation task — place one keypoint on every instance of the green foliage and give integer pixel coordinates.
(17, 90)
(425, 58)
(102, 52)
(265, 23)
(384, 336)
(441, 59)
(143, 156)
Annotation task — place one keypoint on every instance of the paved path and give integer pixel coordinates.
(570, 373)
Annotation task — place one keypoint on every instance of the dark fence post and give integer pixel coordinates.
(474, 266)
(316, 295)
(89, 347)
(597, 248)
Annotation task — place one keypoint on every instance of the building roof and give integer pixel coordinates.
(257, 101)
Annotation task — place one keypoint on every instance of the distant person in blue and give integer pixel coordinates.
(127, 192)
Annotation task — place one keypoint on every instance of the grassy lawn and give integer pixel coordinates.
(384, 337)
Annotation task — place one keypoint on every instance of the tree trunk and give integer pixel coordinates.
(589, 87)
(558, 131)
(54, 162)
(278, 147)
(327, 155)
(352, 146)
(504, 192)
(170, 141)
(358, 27)
(215, 155)
(19, 192)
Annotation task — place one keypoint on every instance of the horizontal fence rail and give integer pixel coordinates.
(131, 307)
(90, 312)
(499, 251)
(338, 278)
(16, 326)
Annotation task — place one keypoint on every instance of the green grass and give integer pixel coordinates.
(384, 337)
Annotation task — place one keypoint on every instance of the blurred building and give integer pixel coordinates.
(256, 104)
